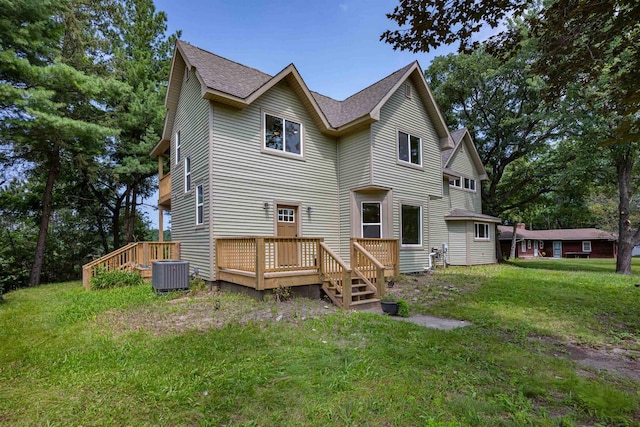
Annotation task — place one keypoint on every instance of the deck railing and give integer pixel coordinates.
(368, 268)
(131, 256)
(384, 250)
(164, 188)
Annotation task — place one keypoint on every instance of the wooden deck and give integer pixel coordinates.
(136, 256)
(266, 262)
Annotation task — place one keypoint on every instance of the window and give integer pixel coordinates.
(411, 225)
(177, 147)
(586, 246)
(282, 135)
(199, 204)
(286, 215)
(186, 74)
(455, 182)
(407, 90)
(409, 149)
(470, 184)
(187, 174)
(528, 244)
(523, 246)
(371, 220)
(482, 231)
(541, 244)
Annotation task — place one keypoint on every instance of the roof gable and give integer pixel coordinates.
(462, 138)
(237, 85)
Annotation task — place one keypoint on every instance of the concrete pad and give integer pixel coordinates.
(433, 322)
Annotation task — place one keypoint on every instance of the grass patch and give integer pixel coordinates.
(65, 360)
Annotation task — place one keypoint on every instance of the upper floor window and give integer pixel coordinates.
(455, 182)
(177, 147)
(470, 184)
(411, 225)
(187, 174)
(282, 135)
(199, 204)
(586, 246)
(409, 149)
(482, 231)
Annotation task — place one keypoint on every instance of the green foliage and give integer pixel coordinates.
(282, 293)
(403, 308)
(115, 279)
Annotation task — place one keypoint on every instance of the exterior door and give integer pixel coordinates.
(287, 251)
(557, 249)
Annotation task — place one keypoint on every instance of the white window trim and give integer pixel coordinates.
(178, 148)
(282, 152)
(583, 246)
(529, 244)
(187, 174)
(470, 180)
(411, 245)
(523, 246)
(362, 223)
(405, 162)
(199, 192)
(475, 231)
(454, 184)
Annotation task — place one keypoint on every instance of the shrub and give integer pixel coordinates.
(403, 308)
(115, 279)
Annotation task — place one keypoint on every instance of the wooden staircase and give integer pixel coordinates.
(359, 286)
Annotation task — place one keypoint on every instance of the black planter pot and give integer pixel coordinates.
(389, 307)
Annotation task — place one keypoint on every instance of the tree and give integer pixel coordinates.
(591, 43)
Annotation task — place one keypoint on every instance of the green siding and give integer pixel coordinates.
(192, 119)
(482, 252)
(408, 184)
(354, 171)
(457, 254)
(461, 198)
(438, 208)
(244, 177)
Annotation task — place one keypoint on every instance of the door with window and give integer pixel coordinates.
(287, 226)
(557, 249)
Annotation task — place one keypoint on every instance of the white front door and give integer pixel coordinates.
(557, 249)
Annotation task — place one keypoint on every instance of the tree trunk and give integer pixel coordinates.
(624, 158)
(47, 202)
(512, 254)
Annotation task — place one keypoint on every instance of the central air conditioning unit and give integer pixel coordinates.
(170, 276)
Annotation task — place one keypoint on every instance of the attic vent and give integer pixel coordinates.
(186, 73)
(407, 90)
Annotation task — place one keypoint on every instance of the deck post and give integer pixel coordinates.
(346, 288)
(380, 283)
(145, 254)
(319, 259)
(260, 263)
(160, 224)
(176, 250)
(86, 276)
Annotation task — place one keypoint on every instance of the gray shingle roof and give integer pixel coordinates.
(238, 80)
(506, 231)
(461, 214)
(222, 74)
(456, 135)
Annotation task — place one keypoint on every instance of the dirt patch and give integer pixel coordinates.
(428, 289)
(211, 310)
(616, 361)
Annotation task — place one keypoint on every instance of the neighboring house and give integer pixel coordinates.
(263, 156)
(562, 243)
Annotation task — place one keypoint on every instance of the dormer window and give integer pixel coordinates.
(282, 135)
(407, 90)
(455, 182)
(470, 184)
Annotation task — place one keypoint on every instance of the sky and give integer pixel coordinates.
(334, 44)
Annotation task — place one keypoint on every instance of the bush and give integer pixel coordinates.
(403, 308)
(115, 279)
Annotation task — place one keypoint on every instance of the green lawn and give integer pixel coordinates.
(64, 362)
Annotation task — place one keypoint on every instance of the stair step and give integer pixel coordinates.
(360, 293)
(365, 304)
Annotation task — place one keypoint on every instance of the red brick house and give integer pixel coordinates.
(562, 243)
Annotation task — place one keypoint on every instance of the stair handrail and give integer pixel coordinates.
(110, 255)
(379, 286)
(343, 285)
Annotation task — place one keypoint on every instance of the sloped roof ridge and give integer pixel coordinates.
(376, 83)
(457, 134)
(222, 57)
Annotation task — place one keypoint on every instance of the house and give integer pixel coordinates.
(562, 243)
(271, 184)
